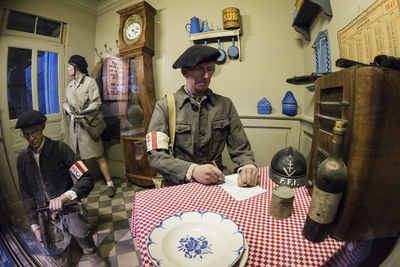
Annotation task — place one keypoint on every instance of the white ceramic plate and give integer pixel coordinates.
(195, 238)
(244, 257)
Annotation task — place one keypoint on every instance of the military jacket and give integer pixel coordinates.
(202, 131)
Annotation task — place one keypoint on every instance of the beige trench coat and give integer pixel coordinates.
(85, 94)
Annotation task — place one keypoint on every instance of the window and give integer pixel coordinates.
(21, 22)
(48, 28)
(33, 69)
(47, 82)
(24, 22)
(19, 81)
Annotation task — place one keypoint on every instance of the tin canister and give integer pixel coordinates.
(231, 18)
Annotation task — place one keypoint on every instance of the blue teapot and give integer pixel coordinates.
(194, 26)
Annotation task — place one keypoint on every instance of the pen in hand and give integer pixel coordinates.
(220, 179)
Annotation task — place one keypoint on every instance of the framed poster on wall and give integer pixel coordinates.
(115, 78)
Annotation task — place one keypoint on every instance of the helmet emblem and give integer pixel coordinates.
(289, 169)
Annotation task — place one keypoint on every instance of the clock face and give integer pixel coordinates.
(132, 29)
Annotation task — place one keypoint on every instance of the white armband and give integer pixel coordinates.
(157, 140)
(78, 169)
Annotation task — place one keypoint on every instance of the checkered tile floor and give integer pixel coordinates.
(111, 220)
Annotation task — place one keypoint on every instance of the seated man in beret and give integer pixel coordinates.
(205, 123)
(45, 168)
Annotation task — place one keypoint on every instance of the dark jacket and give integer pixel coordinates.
(55, 160)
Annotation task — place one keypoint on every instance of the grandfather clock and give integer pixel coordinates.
(136, 43)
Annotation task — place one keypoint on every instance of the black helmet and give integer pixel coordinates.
(79, 63)
(289, 168)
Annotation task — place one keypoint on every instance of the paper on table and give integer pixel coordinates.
(240, 193)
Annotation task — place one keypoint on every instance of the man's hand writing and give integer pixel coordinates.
(207, 174)
(248, 177)
(56, 203)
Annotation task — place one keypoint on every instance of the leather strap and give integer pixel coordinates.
(172, 119)
(159, 179)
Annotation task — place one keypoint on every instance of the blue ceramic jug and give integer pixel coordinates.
(194, 26)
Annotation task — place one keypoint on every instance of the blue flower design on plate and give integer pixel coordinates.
(193, 247)
(172, 242)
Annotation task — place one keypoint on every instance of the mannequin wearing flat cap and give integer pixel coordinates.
(82, 94)
(205, 123)
(44, 180)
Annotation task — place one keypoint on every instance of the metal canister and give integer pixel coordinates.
(231, 18)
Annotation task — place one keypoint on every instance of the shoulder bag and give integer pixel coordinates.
(93, 123)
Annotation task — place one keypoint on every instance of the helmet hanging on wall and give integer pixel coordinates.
(288, 168)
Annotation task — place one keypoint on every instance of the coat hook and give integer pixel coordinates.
(97, 53)
(108, 52)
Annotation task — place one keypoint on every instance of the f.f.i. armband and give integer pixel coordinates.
(78, 169)
(157, 140)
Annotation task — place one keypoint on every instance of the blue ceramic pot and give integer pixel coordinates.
(289, 109)
(289, 104)
(264, 110)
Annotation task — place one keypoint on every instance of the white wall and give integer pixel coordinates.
(270, 50)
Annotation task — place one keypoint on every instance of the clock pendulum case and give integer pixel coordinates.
(136, 43)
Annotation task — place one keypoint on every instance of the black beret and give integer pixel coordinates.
(195, 55)
(30, 118)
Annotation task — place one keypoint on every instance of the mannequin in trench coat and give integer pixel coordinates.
(82, 94)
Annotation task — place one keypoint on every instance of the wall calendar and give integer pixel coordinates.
(374, 32)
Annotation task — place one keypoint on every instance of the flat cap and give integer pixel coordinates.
(30, 118)
(195, 55)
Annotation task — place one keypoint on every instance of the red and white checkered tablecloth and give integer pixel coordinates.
(272, 242)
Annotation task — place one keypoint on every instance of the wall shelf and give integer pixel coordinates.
(306, 79)
(220, 34)
(306, 14)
